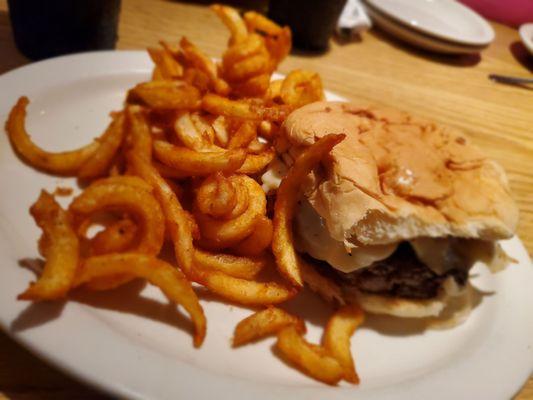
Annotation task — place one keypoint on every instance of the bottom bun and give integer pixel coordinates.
(398, 307)
(450, 308)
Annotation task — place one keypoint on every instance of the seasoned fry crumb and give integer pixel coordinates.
(63, 191)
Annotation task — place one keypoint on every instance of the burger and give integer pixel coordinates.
(399, 213)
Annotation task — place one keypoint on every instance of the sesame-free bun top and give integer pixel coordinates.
(397, 177)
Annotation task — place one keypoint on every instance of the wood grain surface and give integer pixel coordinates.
(452, 90)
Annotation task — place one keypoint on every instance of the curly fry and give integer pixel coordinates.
(60, 246)
(62, 163)
(224, 232)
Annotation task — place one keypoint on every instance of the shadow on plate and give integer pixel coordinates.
(37, 314)
(521, 54)
(34, 265)
(310, 307)
(25, 377)
(127, 299)
(459, 60)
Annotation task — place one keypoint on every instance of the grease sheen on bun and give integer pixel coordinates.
(397, 177)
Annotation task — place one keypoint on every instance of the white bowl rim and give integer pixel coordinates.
(488, 36)
(526, 35)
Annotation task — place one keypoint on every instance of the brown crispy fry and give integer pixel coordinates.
(62, 163)
(189, 135)
(203, 126)
(339, 329)
(258, 22)
(255, 163)
(178, 222)
(60, 246)
(157, 75)
(243, 136)
(279, 46)
(244, 291)
(311, 359)
(221, 233)
(193, 163)
(233, 21)
(168, 172)
(267, 130)
(165, 95)
(264, 323)
(128, 180)
(274, 91)
(218, 105)
(255, 86)
(221, 130)
(203, 63)
(100, 162)
(238, 267)
(301, 87)
(197, 78)
(258, 147)
(249, 67)
(258, 241)
(177, 219)
(167, 66)
(116, 238)
(124, 198)
(140, 139)
(173, 49)
(283, 243)
(278, 40)
(251, 45)
(216, 196)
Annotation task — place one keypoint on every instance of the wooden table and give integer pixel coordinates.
(456, 91)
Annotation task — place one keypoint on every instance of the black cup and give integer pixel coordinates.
(312, 21)
(48, 28)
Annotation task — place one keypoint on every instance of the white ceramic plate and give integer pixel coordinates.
(526, 34)
(417, 38)
(130, 342)
(447, 20)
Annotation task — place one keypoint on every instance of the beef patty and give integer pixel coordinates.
(400, 275)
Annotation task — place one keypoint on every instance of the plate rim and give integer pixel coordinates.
(108, 385)
(523, 31)
(419, 39)
(439, 35)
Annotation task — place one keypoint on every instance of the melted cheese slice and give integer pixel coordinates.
(314, 238)
(443, 254)
(438, 254)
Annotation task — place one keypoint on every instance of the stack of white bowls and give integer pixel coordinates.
(443, 26)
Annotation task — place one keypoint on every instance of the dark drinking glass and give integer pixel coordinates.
(47, 28)
(312, 21)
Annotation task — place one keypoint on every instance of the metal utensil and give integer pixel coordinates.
(510, 79)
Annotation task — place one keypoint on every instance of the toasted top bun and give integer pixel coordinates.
(397, 177)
